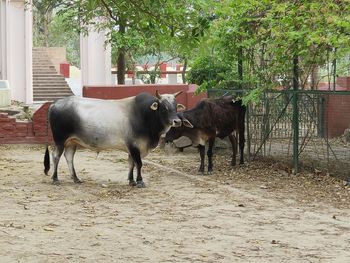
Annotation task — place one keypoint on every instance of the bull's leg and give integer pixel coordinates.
(136, 156)
(56, 155)
(233, 141)
(69, 154)
(131, 171)
(201, 149)
(210, 155)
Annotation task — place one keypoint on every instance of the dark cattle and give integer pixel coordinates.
(133, 125)
(212, 118)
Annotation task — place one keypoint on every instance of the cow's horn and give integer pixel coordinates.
(187, 123)
(177, 93)
(158, 95)
(154, 106)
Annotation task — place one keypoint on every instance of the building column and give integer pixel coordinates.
(16, 48)
(95, 59)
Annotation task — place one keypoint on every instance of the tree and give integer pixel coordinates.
(265, 37)
(144, 26)
(43, 15)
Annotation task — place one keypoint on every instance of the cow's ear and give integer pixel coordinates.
(154, 106)
(187, 123)
(180, 106)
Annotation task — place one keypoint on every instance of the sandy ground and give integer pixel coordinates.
(253, 213)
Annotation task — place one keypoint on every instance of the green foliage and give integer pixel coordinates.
(138, 28)
(51, 30)
(208, 72)
(270, 34)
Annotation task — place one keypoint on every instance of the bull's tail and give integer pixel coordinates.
(47, 154)
(47, 160)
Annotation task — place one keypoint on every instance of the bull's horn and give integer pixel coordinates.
(158, 95)
(177, 93)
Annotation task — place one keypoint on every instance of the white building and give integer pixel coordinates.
(16, 48)
(16, 22)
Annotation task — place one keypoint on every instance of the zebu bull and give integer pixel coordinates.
(212, 118)
(133, 125)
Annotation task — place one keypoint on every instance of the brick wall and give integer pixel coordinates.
(337, 108)
(15, 131)
(337, 114)
(187, 98)
(39, 124)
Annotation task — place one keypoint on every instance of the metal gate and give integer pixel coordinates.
(273, 122)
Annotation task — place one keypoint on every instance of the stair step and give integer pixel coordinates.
(48, 85)
(49, 78)
(54, 91)
(36, 99)
(46, 75)
(51, 83)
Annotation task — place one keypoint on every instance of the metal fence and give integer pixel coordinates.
(271, 125)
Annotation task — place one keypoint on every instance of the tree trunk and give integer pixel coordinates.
(314, 77)
(46, 31)
(183, 73)
(121, 55)
(121, 66)
(240, 67)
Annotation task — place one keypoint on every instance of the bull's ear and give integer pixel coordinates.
(177, 93)
(158, 95)
(180, 106)
(187, 123)
(154, 106)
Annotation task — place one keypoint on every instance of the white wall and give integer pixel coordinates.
(16, 48)
(95, 59)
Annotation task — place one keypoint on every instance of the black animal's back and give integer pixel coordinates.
(217, 117)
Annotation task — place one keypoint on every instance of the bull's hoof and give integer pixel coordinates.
(46, 172)
(132, 183)
(210, 172)
(56, 182)
(77, 181)
(140, 184)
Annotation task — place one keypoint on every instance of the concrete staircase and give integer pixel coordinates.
(48, 85)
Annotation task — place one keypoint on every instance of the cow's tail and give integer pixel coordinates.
(47, 154)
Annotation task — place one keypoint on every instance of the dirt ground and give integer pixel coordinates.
(253, 213)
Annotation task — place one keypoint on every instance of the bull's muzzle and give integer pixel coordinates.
(176, 123)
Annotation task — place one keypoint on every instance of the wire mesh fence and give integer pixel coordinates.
(323, 117)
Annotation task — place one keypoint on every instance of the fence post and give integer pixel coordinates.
(248, 130)
(295, 114)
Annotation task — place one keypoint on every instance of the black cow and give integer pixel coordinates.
(212, 118)
(132, 124)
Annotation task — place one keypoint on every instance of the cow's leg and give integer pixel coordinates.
(69, 154)
(210, 155)
(136, 156)
(56, 155)
(241, 144)
(131, 171)
(233, 141)
(201, 149)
